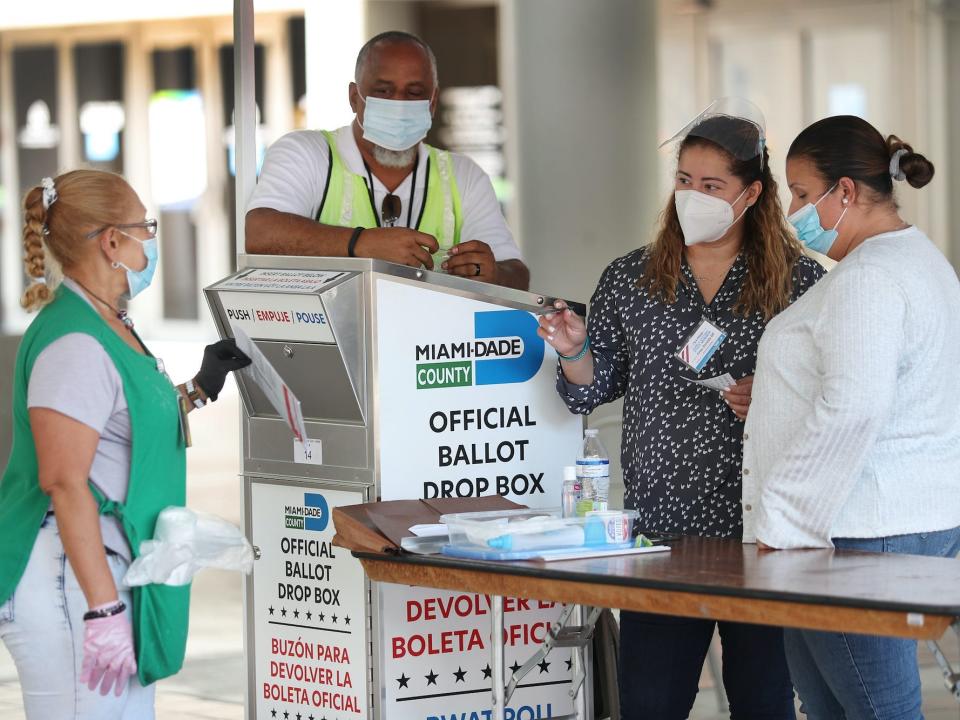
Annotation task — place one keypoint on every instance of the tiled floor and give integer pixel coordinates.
(211, 684)
(210, 687)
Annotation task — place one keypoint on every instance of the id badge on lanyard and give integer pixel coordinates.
(184, 421)
(701, 344)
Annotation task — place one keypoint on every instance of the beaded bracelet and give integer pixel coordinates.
(579, 355)
(116, 609)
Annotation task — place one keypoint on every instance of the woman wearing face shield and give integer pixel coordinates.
(99, 445)
(855, 434)
(686, 308)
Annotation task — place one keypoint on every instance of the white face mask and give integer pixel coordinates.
(395, 124)
(704, 218)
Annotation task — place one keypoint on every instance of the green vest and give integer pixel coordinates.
(346, 200)
(157, 477)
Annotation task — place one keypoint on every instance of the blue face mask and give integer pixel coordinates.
(395, 124)
(139, 280)
(810, 232)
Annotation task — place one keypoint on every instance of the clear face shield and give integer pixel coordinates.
(733, 123)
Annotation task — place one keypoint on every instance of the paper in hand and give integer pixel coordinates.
(261, 372)
(718, 383)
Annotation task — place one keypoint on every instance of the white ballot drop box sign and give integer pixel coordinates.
(412, 384)
(470, 389)
(473, 388)
(310, 644)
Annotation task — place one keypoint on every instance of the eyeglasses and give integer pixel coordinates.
(149, 225)
(390, 210)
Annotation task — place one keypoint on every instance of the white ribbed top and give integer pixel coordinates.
(854, 427)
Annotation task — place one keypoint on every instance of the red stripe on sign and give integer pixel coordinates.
(293, 425)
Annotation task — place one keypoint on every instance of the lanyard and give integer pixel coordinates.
(413, 187)
(127, 322)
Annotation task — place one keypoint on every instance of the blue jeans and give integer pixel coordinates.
(661, 658)
(863, 677)
(42, 626)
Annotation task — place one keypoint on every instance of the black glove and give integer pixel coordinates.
(219, 359)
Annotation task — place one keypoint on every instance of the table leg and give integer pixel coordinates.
(577, 637)
(582, 662)
(496, 661)
(951, 677)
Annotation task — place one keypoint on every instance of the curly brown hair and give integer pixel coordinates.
(770, 248)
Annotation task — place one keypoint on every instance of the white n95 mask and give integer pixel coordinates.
(704, 218)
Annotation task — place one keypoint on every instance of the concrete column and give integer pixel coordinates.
(580, 87)
(951, 168)
(138, 87)
(334, 34)
(213, 225)
(11, 245)
(67, 110)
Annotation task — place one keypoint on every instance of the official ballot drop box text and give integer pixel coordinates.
(412, 384)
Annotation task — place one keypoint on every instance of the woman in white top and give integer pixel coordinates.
(853, 437)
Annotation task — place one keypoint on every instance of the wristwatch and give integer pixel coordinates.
(193, 394)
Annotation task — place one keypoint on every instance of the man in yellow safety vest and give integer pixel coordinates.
(375, 189)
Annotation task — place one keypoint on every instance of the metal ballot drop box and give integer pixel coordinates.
(412, 384)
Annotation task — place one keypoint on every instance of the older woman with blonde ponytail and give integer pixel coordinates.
(99, 442)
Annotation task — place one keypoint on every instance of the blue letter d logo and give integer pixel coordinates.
(508, 323)
(314, 500)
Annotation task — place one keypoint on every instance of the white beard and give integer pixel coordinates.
(395, 158)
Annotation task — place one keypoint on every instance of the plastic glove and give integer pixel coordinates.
(184, 541)
(218, 360)
(108, 654)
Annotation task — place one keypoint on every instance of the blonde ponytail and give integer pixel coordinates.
(58, 215)
(38, 293)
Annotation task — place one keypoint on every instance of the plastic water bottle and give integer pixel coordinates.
(571, 491)
(593, 469)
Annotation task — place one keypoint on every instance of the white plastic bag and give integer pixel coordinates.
(185, 541)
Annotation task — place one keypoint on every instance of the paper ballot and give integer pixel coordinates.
(718, 383)
(261, 372)
(429, 530)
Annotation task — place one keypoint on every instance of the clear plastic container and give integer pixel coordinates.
(476, 528)
(519, 534)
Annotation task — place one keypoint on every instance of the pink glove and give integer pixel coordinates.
(108, 655)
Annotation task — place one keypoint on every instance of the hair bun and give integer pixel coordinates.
(917, 169)
(914, 167)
